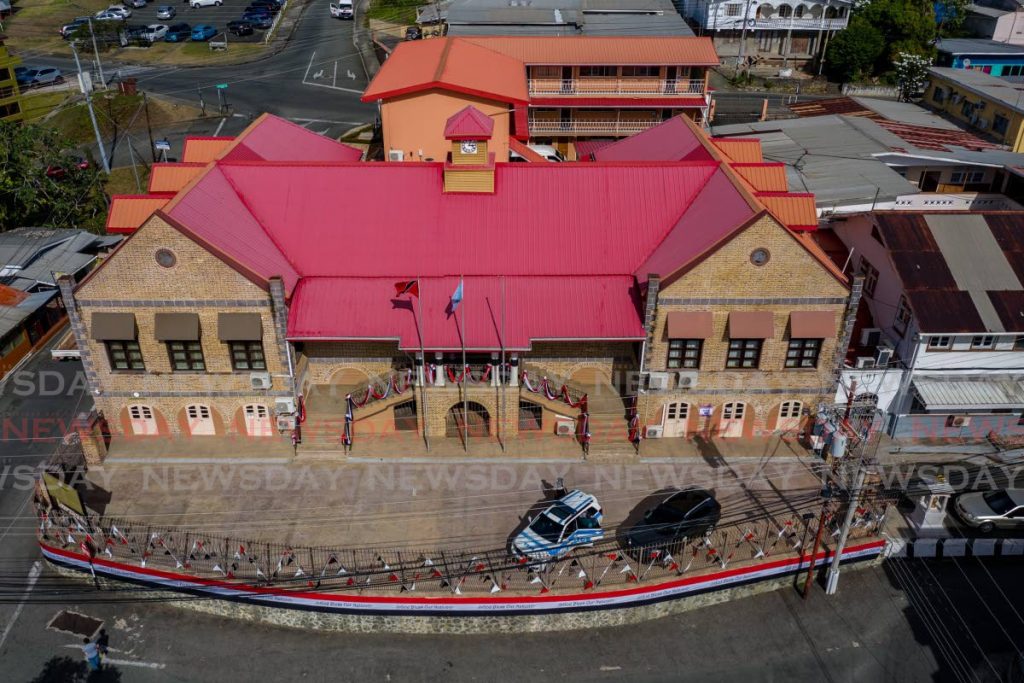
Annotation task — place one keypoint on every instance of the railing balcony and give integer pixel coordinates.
(804, 23)
(610, 127)
(588, 87)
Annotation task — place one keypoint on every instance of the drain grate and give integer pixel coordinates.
(75, 623)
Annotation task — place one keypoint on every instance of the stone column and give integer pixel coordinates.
(513, 380)
(439, 371)
(420, 374)
(495, 369)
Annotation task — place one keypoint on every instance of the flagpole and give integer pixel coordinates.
(501, 372)
(422, 375)
(465, 378)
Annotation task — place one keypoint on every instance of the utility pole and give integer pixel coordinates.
(743, 36)
(87, 91)
(96, 53)
(149, 128)
(833, 571)
(826, 496)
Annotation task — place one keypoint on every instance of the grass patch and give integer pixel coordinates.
(34, 23)
(122, 180)
(39, 105)
(394, 11)
(118, 113)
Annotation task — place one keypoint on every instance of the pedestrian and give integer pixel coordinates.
(92, 654)
(103, 642)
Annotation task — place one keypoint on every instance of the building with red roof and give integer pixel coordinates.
(357, 288)
(547, 90)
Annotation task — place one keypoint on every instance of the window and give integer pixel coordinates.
(684, 353)
(803, 353)
(1000, 124)
(6, 91)
(247, 355)
(733, 9)
(870, 274)
(790, 409)
(963, 176)
(938, 95)
(641, 71)
(943, 342)
(5, 74)
(1018, 344)
(1015, 70)
(785, 11)
(186, 356)
(986, 341)
(125, 356)
(12, 109)
(596, 71)
(744, 353)
(967, 108)
(11, 343)
(903, 315)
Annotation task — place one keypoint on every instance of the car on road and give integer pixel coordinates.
(572, 521)
(203, 32)
(685, 514)
(240, 27)
(269, 5)
(178, 33)
(987, 510)
(135, 3)
(28, 77)
(259, 20)
(154, 32)
(119, 11)
(109, 16)
(196, 4)
(69, 28)
(166, 12)
(342, 9)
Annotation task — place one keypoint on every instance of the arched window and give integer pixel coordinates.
(200, 420)
(257, 420)
(143, 420)
(731, 423)
(785, 11)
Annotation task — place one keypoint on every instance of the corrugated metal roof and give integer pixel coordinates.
(951, 393)
(672, 140)
(203, 150)
(171, 177)
(617, 50)
(366, 308)
(763, 177)
(128, 212)
(469, 123)
(524, 151)
(271, 138)
(737, 150)
(794, 210)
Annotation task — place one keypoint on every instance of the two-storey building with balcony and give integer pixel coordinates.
(552, 90)
(10, 95)
(774, 33)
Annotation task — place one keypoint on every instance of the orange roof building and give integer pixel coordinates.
(171, 177)
(548, 90)
(203, 150)
(128, 212)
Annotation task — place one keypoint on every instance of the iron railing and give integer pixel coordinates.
(587, 87)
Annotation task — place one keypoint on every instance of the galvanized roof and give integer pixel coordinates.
(955, 393)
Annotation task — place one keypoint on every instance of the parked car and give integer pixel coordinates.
(240, 27)
(413, 33)
(178, 33)
(258, 19)
(546, 151)
(572, 521)
(35, 78)
(1003, 508)
(155, 32)
(684, 514)
(135, 3)
(342, 9)
(203, 32)
(69, 28)
(264, 6)
(166, 12)
(58, 172)
(109, 16)
(196, 4)
(120, 11)
(24, 75)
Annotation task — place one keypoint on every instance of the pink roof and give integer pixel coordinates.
(672, 140)
(366, 308)
(275, 139)
(469, 123)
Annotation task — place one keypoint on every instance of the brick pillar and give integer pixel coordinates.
(846, 330)
(650, 315)
(78, 328)
(279, 310)
(89, 427)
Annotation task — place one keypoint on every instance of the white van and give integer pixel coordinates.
(546, 151)
(342, 9)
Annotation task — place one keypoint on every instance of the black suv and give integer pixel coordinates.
(684, 515)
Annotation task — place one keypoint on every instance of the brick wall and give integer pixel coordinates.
(327, 361)
(582, 362)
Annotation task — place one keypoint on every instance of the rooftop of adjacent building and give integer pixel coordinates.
(978, 46)
(565, 18)
(1006, 93)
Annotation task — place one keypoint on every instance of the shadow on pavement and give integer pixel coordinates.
(70, 670)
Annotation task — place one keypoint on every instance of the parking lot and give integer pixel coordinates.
(216, 16)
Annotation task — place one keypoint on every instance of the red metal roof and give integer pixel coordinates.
(270, 138)
(171, 177)
(524, 151)
(128, 212)
(603, 307)
(469, 123)
(673, 140)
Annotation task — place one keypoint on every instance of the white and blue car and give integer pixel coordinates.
(572, 521)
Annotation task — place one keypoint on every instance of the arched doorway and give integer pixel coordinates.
(257, 420)
(677, 419)
(531, 416)
(405, 417)
(142, 420)
(730, 424)
(199, 420)
(478, 420)
(789, 416)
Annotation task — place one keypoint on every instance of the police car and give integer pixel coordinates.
(572, 521)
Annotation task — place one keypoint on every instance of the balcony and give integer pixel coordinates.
(804, 23)
(628, 87)
(614, 127)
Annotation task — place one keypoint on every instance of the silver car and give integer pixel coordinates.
(987, 510)
(165, 12)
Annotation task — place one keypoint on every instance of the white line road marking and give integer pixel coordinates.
(324, 131)
(219, 126)
(298, 119)
(334, 81)
(319, 74)
(333, 87)
(124, 662)
(33, 576)
(311, 58)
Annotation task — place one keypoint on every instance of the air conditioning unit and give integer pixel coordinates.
(958, 421)
(565, 426)
(396, 155)
(259, 380)
(657, 381)
(687, 380)
(870, 336)
(654, 432)
(884, 355)
(284, 406)
(864, 362)
(285, 423)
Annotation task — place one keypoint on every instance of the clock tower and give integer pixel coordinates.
(470, 166)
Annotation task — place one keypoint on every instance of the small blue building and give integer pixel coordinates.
(997, 59)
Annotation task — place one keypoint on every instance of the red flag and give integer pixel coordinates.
(407, 287)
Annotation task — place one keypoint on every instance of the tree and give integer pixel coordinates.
(911, 74)
(878, 32)
(854, 52)
(41, 184)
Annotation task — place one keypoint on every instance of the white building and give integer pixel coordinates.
(784, 33)
(944, 349)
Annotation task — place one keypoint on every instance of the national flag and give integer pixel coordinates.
(457, 296)
(407, 287)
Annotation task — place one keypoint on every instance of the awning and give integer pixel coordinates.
(113, 326)
(955, 394)
(689, 324)
(239, 327)
(751, 325)
(812, 324)
(177, 327)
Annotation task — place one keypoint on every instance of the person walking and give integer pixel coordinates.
(103, 643)
(92, 654)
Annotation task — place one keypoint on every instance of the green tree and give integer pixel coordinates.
(903, 26)
(41, 184)
(853, 53)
